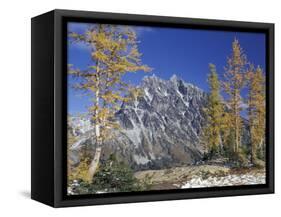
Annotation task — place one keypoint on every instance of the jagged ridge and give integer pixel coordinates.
(160, 129)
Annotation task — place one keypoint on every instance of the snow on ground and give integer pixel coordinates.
(229, 180)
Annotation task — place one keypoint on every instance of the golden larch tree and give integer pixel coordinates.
(214, 112)
(256, 110)
(233, 83)
(114, 52)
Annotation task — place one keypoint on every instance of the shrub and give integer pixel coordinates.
(115, 176)
(112, 176)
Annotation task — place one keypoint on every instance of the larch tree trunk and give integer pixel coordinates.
(254, 151)
(95, 161)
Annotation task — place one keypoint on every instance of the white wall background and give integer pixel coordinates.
(15, 106)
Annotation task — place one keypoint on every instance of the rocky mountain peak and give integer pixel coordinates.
(162, 127)
(174, 78)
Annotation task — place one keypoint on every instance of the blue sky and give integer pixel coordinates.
(184, 52)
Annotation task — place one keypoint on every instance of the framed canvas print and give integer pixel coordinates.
(133, 108)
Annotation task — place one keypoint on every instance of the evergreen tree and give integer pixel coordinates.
(256, 111)
(214, 112)
(114, 52)
(233, 83)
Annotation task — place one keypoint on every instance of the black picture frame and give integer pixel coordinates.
(49, 106)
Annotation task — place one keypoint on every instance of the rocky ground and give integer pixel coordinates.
(229, 180)
(201, 176)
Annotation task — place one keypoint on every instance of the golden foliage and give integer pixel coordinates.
(234, 82)
(214, 113)
(80, 172)
(114, 52)
(256, 109)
